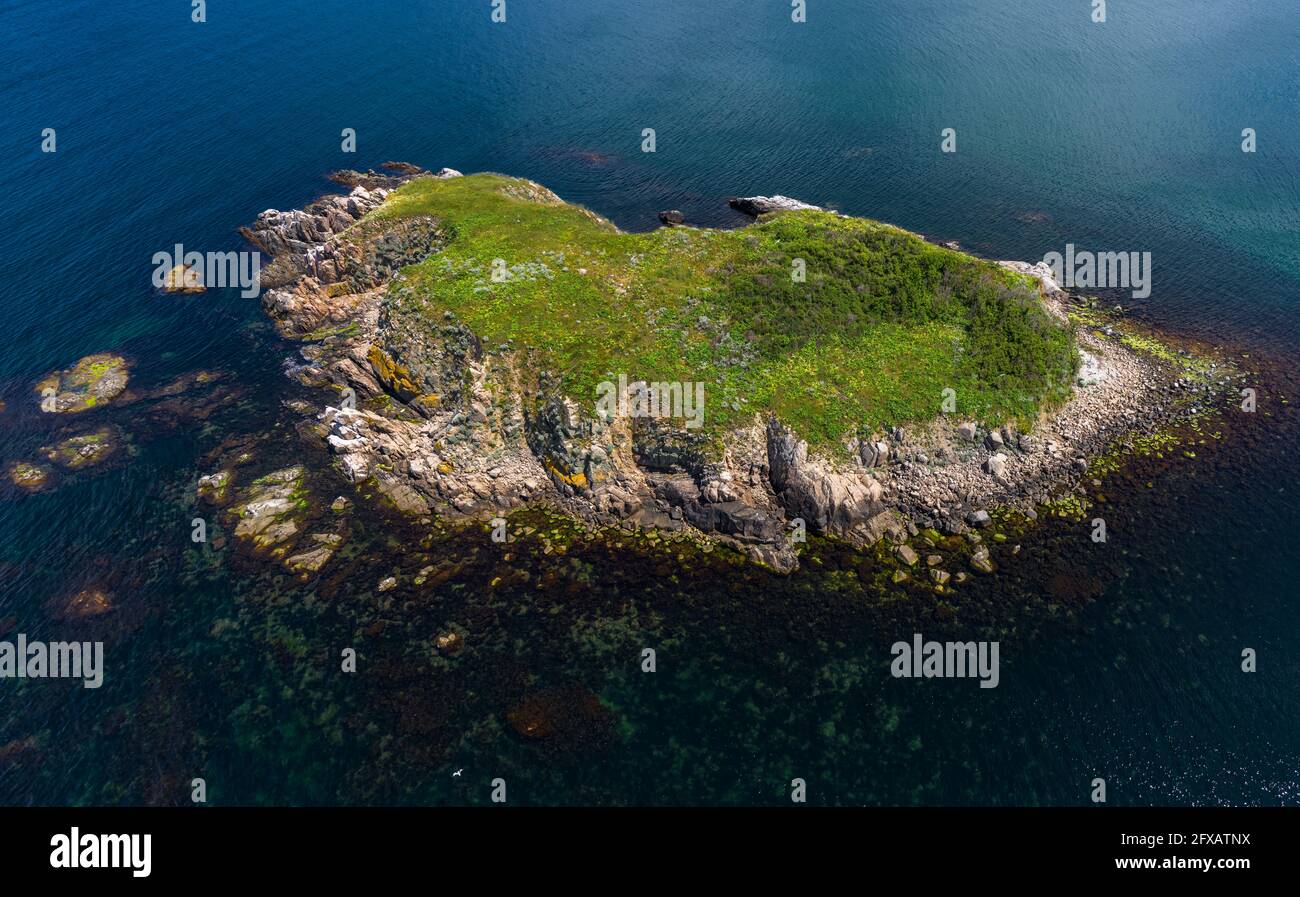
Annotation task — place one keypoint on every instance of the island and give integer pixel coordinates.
(482, 346)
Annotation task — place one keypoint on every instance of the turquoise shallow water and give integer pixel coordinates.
(1118, 136)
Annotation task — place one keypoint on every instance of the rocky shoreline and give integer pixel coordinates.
(485, 443)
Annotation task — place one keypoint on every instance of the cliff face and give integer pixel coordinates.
(446, 417)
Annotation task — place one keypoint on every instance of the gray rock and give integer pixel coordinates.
(873, 454)
(1041, 271)
(735, 518)
(829, 501)
(760, 205)
(996, 466)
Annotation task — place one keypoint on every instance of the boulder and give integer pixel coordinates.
(873, 454)
(1091, 371)
(184, 279)
(761, 205)
(996, 466)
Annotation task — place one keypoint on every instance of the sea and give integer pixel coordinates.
(1123, 661)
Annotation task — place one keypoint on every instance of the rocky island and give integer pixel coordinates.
(857, 381)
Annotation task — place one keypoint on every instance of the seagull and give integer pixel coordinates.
(457, 772)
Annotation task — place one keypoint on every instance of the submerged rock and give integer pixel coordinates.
(28, 475)
(310, 561)
(19, 750)
(568, 714)
(450, 643)
(85, 450)
(270, 510)
(83, 605)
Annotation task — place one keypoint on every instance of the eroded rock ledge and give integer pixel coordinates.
(468, 434)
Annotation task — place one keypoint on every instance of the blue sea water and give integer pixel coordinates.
(1123, 135)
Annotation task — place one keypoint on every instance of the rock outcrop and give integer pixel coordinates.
(761, 205)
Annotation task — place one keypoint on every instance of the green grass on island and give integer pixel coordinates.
(882, 324)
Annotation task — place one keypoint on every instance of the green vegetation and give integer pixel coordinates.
(883, 323)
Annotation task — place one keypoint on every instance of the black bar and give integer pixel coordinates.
(334, 845)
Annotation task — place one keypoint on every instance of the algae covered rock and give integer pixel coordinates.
(271, 509)
(310, 561)
(93, 381)
(28, 475)
(86, 449)
(214, 486)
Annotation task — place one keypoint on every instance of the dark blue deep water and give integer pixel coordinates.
(1119, 136)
